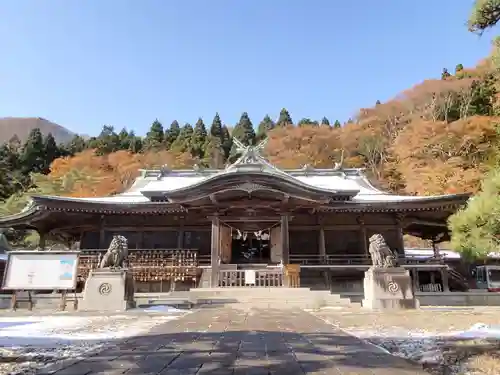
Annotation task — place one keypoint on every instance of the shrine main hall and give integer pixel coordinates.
(249, 214)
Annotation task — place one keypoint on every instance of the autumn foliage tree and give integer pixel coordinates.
(440, 157)
(102, 175)
(294, 147)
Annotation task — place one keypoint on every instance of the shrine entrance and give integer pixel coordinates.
(248, 240)
(251, 247)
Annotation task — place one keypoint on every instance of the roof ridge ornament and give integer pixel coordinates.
(249, 154)
(240, 147)
(307, 168)
(338, 166)
(251, 159)
(164, 170)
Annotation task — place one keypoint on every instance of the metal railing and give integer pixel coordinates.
(340, 259)
(350, 259)
(204, 259)
(431, 288)
(263, 278)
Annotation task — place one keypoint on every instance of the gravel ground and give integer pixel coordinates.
(426, 336)
(27, 349)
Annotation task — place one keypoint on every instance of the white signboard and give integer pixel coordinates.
(41, 270)
(250, 277)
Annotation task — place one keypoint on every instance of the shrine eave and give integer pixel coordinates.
(51, 203)
(400, 204)
(42, 206)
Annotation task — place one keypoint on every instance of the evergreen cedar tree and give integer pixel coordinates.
(441, 136)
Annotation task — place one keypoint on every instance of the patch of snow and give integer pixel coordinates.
(478, 331)
(420, 346)
(35, 341)
(164, 309)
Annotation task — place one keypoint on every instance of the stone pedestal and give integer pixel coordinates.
(108, 290)
(388, 289)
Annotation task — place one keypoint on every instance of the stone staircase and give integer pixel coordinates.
(274, 297)
(461, 283)
(269, 297)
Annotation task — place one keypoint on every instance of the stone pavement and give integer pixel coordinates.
(223, 341)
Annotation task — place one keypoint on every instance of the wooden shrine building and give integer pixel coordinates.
(249, 213)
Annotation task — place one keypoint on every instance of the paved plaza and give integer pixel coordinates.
(241, 341)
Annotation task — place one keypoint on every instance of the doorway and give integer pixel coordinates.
(251, 247)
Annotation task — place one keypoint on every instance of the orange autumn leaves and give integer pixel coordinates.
(95, 175)
(437, 157)
(425, 157)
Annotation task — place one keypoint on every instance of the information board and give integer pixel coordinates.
(41, 270)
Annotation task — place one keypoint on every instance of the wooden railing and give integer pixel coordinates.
(263, 278)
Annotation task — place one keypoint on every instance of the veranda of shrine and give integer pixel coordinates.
(187, 228)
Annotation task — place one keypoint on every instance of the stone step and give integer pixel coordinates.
(328, 299)
(198, 301)
(271, 297)
(302, 305)
(276, 302)
(245, 289)
(255, 291)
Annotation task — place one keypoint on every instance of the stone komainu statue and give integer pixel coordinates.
(381, 254)
(117, 253)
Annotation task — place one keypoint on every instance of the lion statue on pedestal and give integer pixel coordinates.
(381, 254)
(117, 253)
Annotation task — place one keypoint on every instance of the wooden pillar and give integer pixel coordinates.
(140, 244)
(80, 240)
(102, 234)
(416, 280)
(322, 245)
(322, 253)
(444, 279)
(285, 240)
(401, 241)
(435, 249)
(214, 251)
(180, 238)
(362, 233)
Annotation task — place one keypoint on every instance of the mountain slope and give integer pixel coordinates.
(22, 126)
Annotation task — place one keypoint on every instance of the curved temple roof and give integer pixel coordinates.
(346, 182)
(350, 181)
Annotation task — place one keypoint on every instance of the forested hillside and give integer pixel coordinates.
(440, 136)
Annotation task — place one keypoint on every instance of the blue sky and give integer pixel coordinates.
(87, 63)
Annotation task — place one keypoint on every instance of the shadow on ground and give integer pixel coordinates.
(249, 352)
